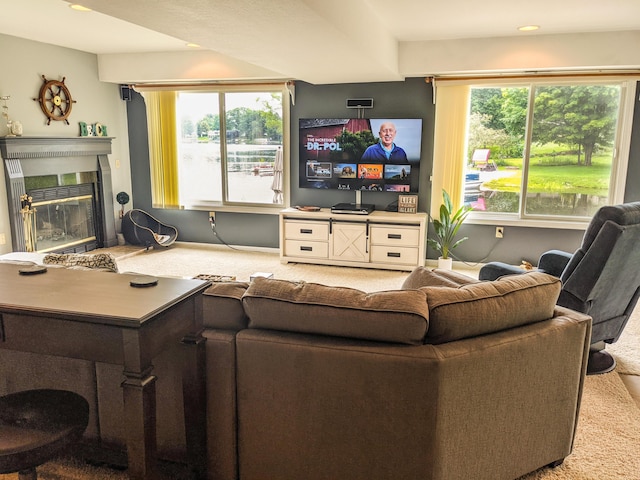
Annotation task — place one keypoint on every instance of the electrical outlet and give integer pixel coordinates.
(499, 232)
(212, 218)
(3, 239)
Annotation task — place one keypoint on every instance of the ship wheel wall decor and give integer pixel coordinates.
(55, 100)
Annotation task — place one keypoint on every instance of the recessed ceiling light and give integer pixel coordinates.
(79, 8)
(528, 28)
(193, 45)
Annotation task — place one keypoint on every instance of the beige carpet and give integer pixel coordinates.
(627, 349)
(70, 468)
(190, 259)
(608, 437)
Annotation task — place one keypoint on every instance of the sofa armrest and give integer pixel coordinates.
(222, 306)
(554, 262)
(494, 270)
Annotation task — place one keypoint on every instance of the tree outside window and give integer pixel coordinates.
(227, 146)
(551, 148)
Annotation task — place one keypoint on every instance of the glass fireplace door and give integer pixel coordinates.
(62, 223)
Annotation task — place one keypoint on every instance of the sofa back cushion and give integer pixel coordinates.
(222, 306)
(487, 307)
(390, 316)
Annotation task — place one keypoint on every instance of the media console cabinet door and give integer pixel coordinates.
(349, 242)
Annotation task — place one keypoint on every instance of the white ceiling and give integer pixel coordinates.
(319, 41)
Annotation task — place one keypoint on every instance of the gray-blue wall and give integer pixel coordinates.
(409, 99)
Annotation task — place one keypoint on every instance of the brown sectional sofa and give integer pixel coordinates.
(449, 378)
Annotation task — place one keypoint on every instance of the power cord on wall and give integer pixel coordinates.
(212, 222)
(477, 262)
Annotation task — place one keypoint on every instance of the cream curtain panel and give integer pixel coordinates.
(163, 147)
(450, 131)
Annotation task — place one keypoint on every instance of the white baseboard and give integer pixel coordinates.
(244, 248)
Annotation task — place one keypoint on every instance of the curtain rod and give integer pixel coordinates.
(506, 76)
(174, 86)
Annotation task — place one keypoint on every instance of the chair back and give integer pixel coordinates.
(603, 277)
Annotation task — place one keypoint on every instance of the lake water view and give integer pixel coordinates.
(250, 176)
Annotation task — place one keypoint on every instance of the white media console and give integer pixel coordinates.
(385, 240)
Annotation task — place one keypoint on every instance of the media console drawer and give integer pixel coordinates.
(394, 255)
(318, 231)
(302, 248)
(401, 236)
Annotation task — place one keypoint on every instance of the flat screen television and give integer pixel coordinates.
(348, 154)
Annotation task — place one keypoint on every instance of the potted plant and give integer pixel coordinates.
(446, 228)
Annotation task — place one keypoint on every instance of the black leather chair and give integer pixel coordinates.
(601, 279)
(38, 425)
(141, 228)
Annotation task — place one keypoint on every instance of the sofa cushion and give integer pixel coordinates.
(222, 306)
(93, 261)
(426, 277)
(486, 307)
(399, 316)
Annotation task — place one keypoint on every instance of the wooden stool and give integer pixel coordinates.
(36, 425)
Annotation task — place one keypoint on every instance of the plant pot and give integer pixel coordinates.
(445, 263)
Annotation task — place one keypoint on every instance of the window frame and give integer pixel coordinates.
(224, 205)
(621, 148)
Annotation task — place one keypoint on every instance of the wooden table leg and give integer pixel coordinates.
(194, 391)
(139, 393)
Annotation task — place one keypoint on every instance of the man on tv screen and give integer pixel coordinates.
(385, 150)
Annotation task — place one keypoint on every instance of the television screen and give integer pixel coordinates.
(368, 154)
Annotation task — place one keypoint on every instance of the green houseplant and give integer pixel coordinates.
(447, 226)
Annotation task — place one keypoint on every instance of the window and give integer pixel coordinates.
(228, 149)
(543, 151)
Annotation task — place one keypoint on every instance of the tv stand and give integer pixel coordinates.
(384, 240)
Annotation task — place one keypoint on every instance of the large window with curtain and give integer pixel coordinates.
(533, 151)
(218, 147)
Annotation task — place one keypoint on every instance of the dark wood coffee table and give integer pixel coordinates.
(100, 317)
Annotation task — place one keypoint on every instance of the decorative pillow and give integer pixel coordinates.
(425, 277)
(222, 306)
(94, 261)
(399, 316)
(486, 307)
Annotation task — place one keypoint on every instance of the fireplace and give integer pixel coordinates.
(69, 182)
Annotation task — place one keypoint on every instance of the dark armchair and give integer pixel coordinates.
(601, 279)
(141, 228)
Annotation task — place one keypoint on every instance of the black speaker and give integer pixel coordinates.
(359, 102)
(125, 93)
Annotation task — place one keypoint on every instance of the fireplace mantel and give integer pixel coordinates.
(25, 157)
(50, 147)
